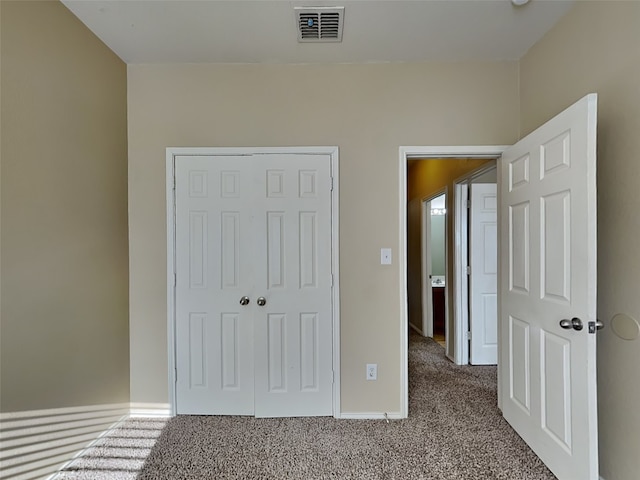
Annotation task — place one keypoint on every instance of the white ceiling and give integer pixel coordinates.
(264, 31)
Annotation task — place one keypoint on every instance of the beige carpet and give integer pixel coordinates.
(454, 431)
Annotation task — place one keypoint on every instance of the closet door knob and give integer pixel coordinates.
(574, 323)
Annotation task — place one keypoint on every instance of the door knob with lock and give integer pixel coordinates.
(574, 323)
(597, 325)
(244, 300)
(261, 301)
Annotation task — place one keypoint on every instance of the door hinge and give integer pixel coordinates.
(175, 279)
(175, 374)
(333, 376)
(468, 203)
(331, 183)
(332, 280)
(469, 335)
(468, 269)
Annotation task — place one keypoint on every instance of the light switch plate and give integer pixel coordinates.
(385, 256)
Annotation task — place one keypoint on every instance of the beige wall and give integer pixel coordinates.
(64, 213)
(368, 111)
(596, 48)
(425, 178)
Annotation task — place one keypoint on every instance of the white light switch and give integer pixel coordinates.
(385, 256)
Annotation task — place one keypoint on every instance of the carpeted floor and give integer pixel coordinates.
(454, 431)
(118, 455)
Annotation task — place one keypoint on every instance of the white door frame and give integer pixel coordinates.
(425, 248)
(460, 261)
(171, 153)
(406, 153)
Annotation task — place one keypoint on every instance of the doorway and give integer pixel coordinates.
(434, 267)
(428, 179)
(475, 265)
(409, 158)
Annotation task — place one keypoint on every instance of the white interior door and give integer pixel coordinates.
(293, 334)
(548, 277)
(427, 287)
(214, 333)
(253, 227)
(483, 284)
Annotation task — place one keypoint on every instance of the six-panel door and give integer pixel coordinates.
(483, 284)
(548, 259)
(258, 227)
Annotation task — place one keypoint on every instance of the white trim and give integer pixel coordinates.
(371, 416)
(499, 180)
(425, 268)
(171, 153)
(478, 172)
(37, 443)
(447, 283)
(466, 151)
(171, 269)
(236, 151)
(460, 278)
(153, 410)
(427, 287)
(417, 329)
(335, 269)
(402, 255)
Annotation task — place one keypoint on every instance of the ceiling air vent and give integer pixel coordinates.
(319, 24)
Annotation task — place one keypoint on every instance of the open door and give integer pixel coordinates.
(434, 261)
(483, 277)
(427, 290)
(548, 291)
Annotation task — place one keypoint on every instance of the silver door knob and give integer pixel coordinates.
(597, 325)
(261, 301)
(244, 300)
(574, 323)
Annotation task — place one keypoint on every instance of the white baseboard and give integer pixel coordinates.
(370, 416)
(416, 329)
(37, 443)
(160, 410)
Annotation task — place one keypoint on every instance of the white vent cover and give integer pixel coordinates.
(319, 24)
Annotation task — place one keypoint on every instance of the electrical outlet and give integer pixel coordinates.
(372, 371)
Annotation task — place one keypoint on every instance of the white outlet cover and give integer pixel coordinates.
(372, 371)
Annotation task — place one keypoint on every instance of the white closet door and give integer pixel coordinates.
(255, 226)
(294, 375)
(214, 247)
